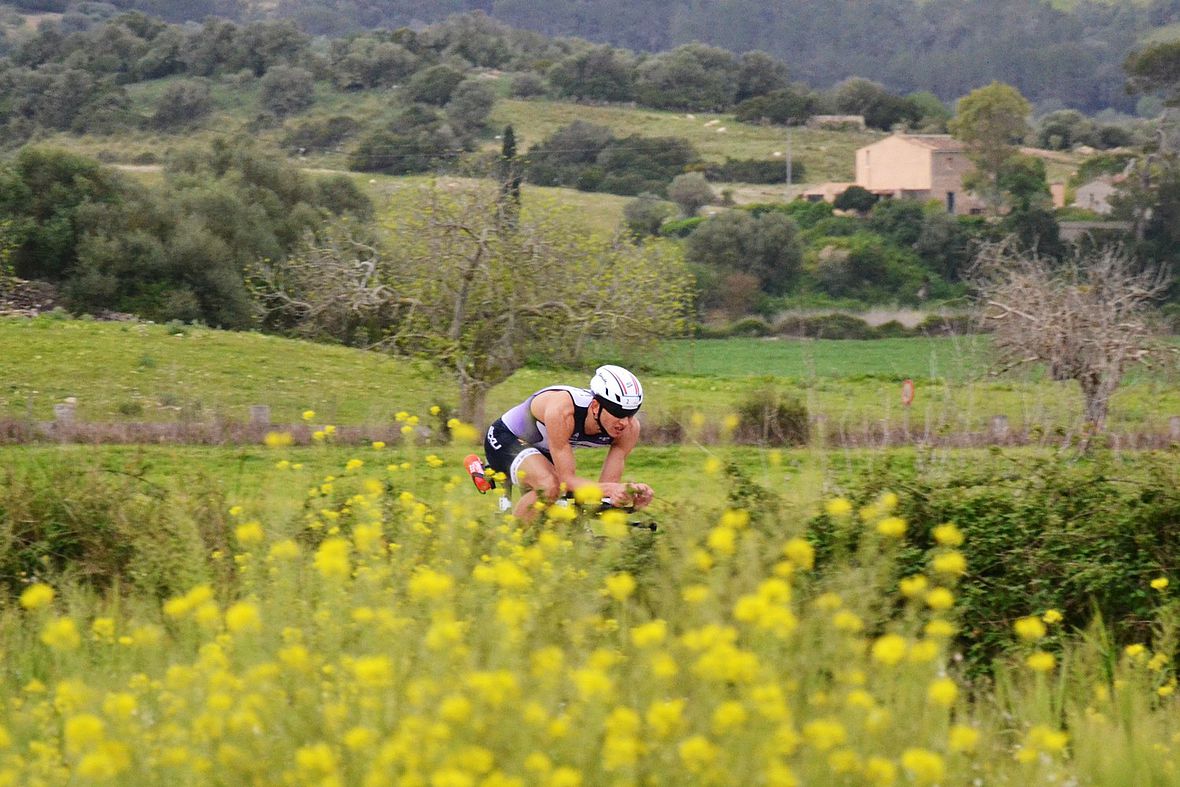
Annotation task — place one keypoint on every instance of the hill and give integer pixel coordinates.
(1067, 51)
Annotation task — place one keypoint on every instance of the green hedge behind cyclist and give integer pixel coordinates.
(532, 444)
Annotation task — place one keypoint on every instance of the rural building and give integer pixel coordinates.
(918, 166)
(1095, 195)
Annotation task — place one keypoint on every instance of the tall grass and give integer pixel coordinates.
(392, 629)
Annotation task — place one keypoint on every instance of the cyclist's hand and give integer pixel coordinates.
(638, 495)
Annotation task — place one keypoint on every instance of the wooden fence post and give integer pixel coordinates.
(999, 427)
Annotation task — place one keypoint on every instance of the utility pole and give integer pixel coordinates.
(790, 180)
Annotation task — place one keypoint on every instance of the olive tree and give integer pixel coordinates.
(1087, 318)
(451, 282)
(991, 122)
(691, 191)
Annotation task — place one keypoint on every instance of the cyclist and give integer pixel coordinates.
(532, 444)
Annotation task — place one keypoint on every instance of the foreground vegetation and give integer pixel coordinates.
(371, 620)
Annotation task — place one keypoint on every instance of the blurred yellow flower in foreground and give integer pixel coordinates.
(37, 596)
(1029, 629)
(61, 634)
(620, 586)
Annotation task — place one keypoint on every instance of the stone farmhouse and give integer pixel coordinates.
(915, 166)
(918, 166)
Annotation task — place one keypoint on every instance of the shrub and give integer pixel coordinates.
(285, 90)
(1040, 534)
(321, 133)
(183, 103)
(470, 103)
(787, 106)
(340, 194)
(839, 326)
(528, 85)
(827, 326)
(748, 326)
(892, 330)
(855, 198)
(645, 214)
(680, 228)
(82, 524)
(691, 192)
(768, 417)
(434, 85)
(949, 325)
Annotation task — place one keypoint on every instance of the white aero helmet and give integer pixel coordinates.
(617, 390)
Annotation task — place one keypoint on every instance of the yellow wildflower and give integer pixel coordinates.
(620, 586)
(838, 507)
(82, 732)
(889, 649)
(880, 772)
(649, 635)
(1029, 629)
(942, 692)
(940, 599)
(1159, 583)
(891, 527)
(962, 738)
(914, 586)
(249, 533)
(61, 634)
(924, 766)
(824, 733)
(665, 717)
(728, 716)
(243, 617)
(800, 552)
(722, 540)
(697, 753)
(278, 439)
(948, 535)
(952, 564)
(37, 596)
(1041, 661)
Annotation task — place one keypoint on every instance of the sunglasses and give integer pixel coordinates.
(618, 411)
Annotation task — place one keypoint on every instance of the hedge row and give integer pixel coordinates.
(1084, 537)
(838, 325)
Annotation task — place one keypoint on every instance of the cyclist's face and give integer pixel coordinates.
(614, 425)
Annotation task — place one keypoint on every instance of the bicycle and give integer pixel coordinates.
(592, 510)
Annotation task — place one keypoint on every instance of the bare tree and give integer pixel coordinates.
(1087, 318)
(477, 295)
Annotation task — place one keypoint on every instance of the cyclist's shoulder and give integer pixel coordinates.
(559, 398)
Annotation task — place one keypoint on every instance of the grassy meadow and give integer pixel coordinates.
(135, 372)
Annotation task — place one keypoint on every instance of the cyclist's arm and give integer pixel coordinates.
(616, 457)
(611, 477)
(556, 411)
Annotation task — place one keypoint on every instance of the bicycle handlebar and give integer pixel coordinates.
(606, 504)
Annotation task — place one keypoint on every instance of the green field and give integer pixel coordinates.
(121, 372)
